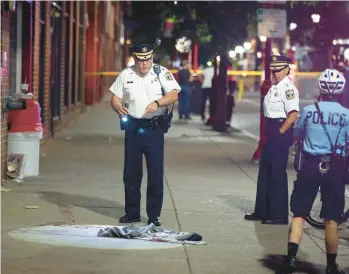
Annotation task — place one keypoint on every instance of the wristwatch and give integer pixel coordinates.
(156, 101)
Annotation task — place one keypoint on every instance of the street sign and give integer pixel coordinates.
(272, 2)
(272, 23)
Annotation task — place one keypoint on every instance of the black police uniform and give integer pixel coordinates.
(272, 186)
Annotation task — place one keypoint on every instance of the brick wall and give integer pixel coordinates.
(73, 110)
(36, 51)
(47, 71)
(70, 64)
(77, 31)
(62, 61)
(5, 50)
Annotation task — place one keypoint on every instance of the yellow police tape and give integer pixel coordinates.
(230, 72)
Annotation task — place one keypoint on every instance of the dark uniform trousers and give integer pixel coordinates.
(272, 184)
(331, 184)
(141, 139)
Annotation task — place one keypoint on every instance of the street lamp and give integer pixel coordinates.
(239, 49)
(247, 46)
(293, 26)
(263, 38)
(183, 44)
(346, 54)
(232, 54)
(315, 18)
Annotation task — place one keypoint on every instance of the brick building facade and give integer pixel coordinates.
(50, 45)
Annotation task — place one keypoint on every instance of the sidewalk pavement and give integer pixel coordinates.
(210, 185)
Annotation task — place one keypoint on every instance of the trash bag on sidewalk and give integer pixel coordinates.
(151, 233)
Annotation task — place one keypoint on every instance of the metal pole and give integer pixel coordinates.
(264, 90)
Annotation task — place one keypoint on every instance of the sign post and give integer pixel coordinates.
(271, 24)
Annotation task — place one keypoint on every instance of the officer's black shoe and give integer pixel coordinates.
(253, 217)
(333, 270)
(288, 265)
(128, 218)
(154, 221)
(283, 221)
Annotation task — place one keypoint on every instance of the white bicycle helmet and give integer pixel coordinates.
(331, 82)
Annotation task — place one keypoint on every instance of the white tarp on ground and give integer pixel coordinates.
(152, 233)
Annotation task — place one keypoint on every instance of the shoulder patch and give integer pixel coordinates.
(290, 94)
(168, 76)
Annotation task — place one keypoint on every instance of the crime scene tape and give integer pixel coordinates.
(230, 72)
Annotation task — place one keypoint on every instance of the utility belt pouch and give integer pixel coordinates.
(166, 120)
(166, 117)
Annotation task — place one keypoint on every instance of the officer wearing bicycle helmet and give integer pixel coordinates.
(323, 132)
(281, 105)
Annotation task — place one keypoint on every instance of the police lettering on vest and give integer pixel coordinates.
(334, 119)
(309, 128)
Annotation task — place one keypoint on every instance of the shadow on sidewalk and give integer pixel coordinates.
(101, 206)
(244, 205)
(273, 262)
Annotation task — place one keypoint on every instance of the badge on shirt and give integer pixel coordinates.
(290, 94)
(155, 80)
(168, 76)
(276, 94)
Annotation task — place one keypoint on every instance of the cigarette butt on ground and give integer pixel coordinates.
(31, 207)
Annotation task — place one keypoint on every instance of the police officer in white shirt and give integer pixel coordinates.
(140, 86)
(281, 105)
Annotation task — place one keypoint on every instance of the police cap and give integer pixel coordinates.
(277, 62)
(143, 51)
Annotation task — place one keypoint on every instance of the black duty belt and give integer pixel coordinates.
(276, 120)
(326, 157)
(154, 122)
(327, 161)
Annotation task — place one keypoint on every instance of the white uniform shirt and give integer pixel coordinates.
(139, 91)
(281, 99)
(208, 75)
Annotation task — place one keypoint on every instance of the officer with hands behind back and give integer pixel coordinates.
(151, 90)
(322, 130)
(281, 105)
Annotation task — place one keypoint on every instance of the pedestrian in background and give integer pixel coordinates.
(230, 102)
(281, 105)
(344, 69)
(206, 88)
(184, 80)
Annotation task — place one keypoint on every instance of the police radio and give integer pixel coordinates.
(166, 117)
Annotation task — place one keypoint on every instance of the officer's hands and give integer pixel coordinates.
(152, 107)
(122, 110)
